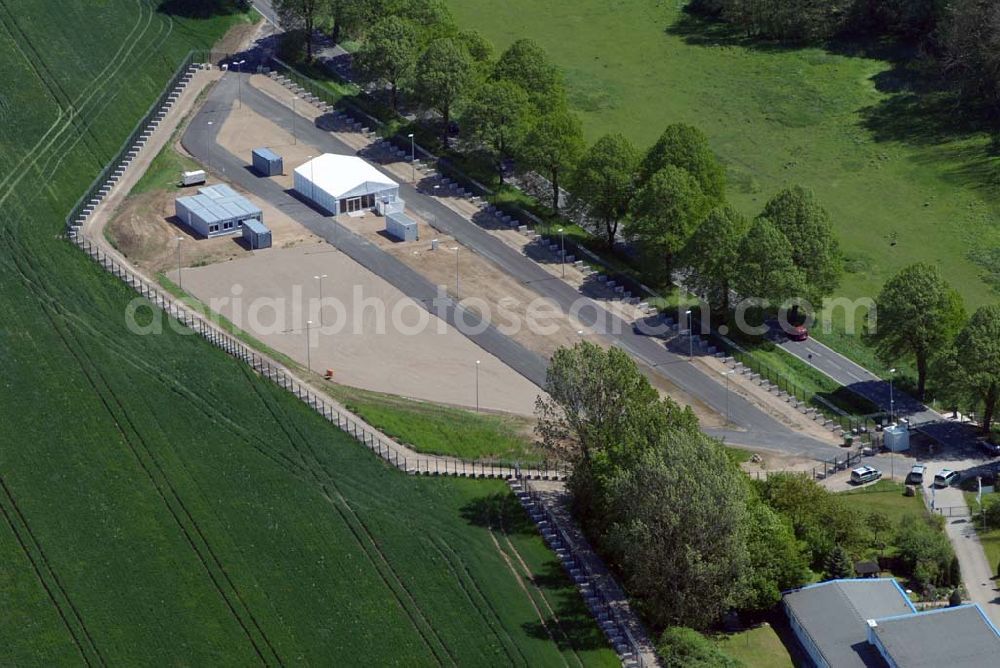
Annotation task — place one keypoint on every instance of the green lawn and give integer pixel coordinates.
(442, 430)
(991, 538)
(886, 497)
(160, 504)
(887, 168)
(759, 647)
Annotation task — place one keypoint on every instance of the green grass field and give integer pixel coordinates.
(159, 504)
(885, 163)
(759, 647)
(990, 538)
(885, 497)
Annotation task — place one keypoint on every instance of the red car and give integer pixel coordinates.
(799, 333)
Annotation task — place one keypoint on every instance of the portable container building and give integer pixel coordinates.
(216, 210)
(401, 227)
(193, 178)
(343, 183)
(267, 163)
(256, 234)
(386, 206)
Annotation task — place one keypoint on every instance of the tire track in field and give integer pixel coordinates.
(358, 528)
(124, 425)
(44, 572)
(42, 70)
(75, 107)
(59, 153)
(60, 110)
(490, 620)
(529, 576)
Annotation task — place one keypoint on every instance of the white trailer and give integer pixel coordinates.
(193, 178)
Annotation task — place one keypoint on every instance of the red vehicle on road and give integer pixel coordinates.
(799, 333)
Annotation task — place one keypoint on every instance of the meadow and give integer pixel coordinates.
(159, 503)
(902, 181)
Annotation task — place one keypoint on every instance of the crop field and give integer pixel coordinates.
(901, 183)
(159, 504)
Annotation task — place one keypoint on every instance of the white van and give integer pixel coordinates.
(946, 478)
(916, 475)
(863, 474)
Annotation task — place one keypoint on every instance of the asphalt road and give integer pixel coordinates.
(753, 426)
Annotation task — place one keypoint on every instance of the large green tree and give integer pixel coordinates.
(478, 46)
(678, 530)
(301, 15)
(807, 227)
(497, 116)
(388, 55)
(347, 17)
(553, 145)
(432, 18)
(686, 146)
(712, 255)
(665, 212)
(778, 560)
(971, 370)
(443, 75)
(918, 313)
(526, 64)
(606, 179)
(766, 269)
(972, 49)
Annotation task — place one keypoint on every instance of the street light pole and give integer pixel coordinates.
(309, 345)
(413, 160)
(727, 374)
(477, 386)
(690, 336)
(320, 279)
(239, 81)
(892, 399)
(180, 284)
(294, 140)
(562, 250)
(457, 285)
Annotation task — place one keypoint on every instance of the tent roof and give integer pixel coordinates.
(339, 175)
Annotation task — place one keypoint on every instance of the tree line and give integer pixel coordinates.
(922, 319)
(961, 36)
(690, 535)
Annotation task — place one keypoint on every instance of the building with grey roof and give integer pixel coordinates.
(960, 636)
(871, 623)
(830, 619)
(216, 210)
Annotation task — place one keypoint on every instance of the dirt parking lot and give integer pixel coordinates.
(370, 335)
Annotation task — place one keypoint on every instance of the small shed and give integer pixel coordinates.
(401, 227)
(897, 438)
(256, 234)
(267, 163)
(867, 569)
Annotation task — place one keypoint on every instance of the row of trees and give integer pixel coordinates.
(962, 35)
(672, 201)
(920, 318)
(690, 534)
(513, 107)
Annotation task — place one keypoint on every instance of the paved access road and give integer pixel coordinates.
(754, 427)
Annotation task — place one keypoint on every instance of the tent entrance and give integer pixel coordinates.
(353, 204)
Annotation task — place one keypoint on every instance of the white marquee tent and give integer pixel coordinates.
(343, 183)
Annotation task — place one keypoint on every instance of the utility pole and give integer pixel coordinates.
(180, 284)
(413, 160)
(477, 386)
(690, 336)
(562, 251)
(309, 344)
(320, 279)
(239, 80)
(457, 286)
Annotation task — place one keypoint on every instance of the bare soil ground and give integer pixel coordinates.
(272, 294)
(145, 230)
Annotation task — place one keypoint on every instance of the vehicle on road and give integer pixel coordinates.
(799, 333)
(864, 474)
(946, 478)
(989, 447)
(916, 475)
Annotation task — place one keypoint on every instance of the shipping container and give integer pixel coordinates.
(193, 178)
(267, 163)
